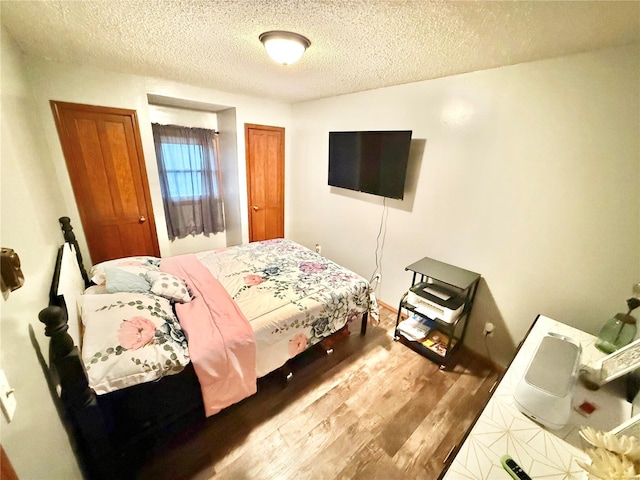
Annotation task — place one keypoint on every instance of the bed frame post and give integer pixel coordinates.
(70, 237)
(81, 406)
(363, 326)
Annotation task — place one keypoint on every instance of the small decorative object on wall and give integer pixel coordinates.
(12, 277)
(619, 330)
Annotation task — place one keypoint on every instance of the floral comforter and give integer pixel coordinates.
(292, 297)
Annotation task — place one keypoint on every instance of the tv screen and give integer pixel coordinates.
(372, 162)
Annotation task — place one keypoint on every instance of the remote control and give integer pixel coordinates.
(513, 468)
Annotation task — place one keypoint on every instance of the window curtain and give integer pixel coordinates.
(190, 179)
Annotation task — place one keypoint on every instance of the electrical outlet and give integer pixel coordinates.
(488, 328)
(377, 278)
(318, 248)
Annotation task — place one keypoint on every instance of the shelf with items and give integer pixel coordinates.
(433, 314)
(439, 340)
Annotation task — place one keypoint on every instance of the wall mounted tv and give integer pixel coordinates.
(372, 162)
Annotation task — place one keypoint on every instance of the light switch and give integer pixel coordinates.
(7, 397)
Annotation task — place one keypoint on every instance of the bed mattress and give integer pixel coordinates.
(291, 296)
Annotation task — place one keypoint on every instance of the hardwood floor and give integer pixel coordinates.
(374, 409)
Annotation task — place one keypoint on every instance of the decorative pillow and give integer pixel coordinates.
(130, 338)
(169, 286)
(96, 290)
(139, 265)
(119, 280)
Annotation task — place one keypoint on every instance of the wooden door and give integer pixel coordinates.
(6, 469)
(265, 181)
(103, 152)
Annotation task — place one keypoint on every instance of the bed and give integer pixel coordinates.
(143, 349)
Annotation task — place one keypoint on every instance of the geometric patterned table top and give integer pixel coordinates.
(544, 454)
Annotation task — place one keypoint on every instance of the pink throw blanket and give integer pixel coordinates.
(221, 341)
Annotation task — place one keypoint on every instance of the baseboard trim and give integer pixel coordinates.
(387, 306)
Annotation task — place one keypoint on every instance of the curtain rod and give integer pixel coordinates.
(216, 132)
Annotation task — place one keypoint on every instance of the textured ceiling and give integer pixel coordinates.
(355, 45)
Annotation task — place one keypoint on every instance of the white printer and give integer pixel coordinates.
(436, 301)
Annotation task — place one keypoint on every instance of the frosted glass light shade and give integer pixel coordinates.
(284, 48)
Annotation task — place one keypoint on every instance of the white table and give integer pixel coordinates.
(550, 454)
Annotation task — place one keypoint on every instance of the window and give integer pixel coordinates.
(183, 165)
(188, 167)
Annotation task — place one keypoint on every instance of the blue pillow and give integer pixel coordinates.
(119, 280)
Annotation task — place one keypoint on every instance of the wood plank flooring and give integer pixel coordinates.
(374, 409)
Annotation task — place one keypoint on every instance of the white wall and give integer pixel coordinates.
(528, 174)
(72, 83)
(30, 204)
(234, 190)
(195, 119)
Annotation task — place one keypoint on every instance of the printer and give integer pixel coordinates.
(436, 301)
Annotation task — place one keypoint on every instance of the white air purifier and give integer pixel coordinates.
(545, 392)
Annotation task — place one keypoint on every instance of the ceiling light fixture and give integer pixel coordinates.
(284, 48)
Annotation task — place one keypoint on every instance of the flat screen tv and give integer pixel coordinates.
(372, 162)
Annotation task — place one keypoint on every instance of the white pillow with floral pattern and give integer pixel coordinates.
(130, 338)
(140, 265)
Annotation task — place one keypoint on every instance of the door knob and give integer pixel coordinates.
(255, 208)
(142, 219)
